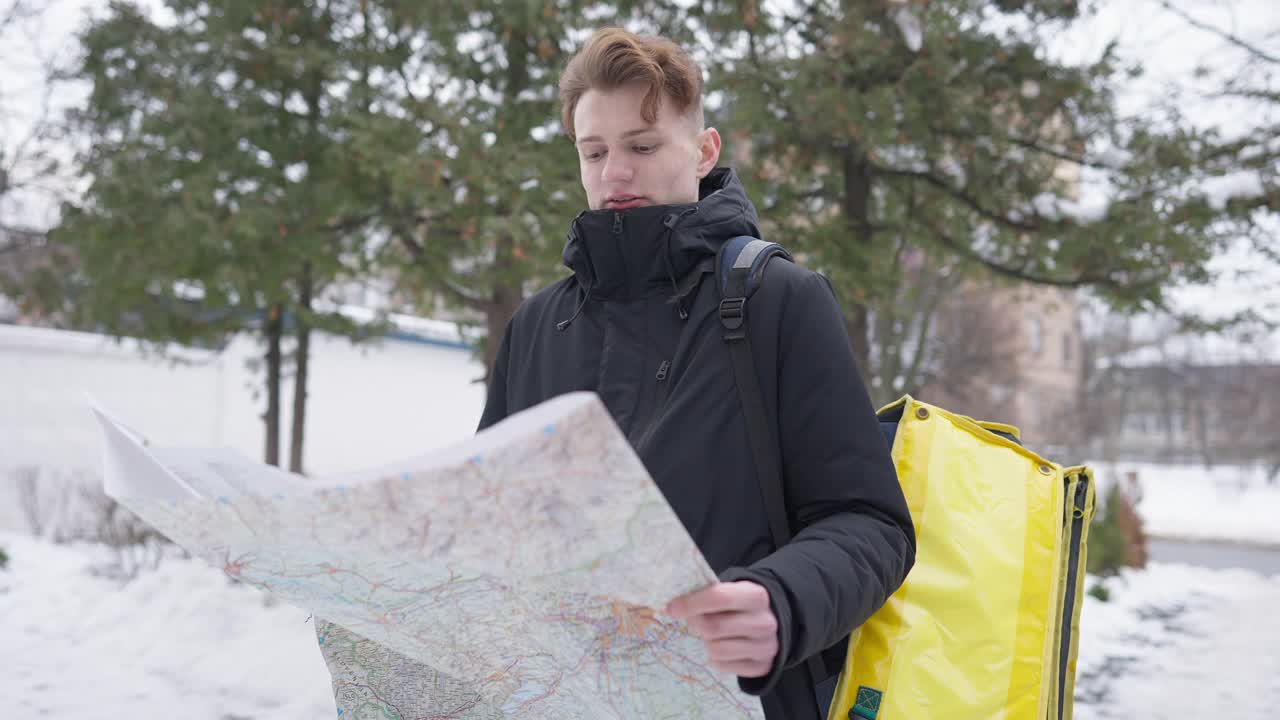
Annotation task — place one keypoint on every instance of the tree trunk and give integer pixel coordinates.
(504, 300)
(301, 365)
(857, 323)
(274, 329)
(496, 323)
(506, 291)
(857, 214)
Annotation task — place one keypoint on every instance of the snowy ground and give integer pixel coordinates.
(1224, 503)
(1175, 641)
(179, 642)
(182, 641)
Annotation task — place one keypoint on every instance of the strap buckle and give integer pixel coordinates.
(732, 315)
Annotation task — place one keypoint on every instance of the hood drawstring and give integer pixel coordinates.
(591, 281)
(689, 286)
(564, 324)
(670, 222)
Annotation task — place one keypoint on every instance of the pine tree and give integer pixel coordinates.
(477, 183)
(219, 199)
(477, 179)
(882, 132)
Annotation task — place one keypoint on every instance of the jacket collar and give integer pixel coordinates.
(625, 254)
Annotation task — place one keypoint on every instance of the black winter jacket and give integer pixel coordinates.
(637, 325)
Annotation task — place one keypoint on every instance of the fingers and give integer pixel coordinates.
(734, 650)
(747, 658)
(718, 598)
(736, 623)
(726, 625)
(745, 668)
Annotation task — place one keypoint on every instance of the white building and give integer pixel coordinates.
(367, 404)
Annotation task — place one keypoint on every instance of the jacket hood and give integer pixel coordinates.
(625, 254)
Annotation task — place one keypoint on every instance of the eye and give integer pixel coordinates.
(592, 155)
(644, 149)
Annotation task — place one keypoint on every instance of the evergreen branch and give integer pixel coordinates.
(417, 250)
(464, 295)
(1058, 154)
(408, 86)
(406, 237)
(778, 94)
(346, 225)
(1029, 144)
(1032, 145)
(959, 194)
(965, 251)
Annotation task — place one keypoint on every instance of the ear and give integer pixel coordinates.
(708, 151)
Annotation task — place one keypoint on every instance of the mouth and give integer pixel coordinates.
(622, 201)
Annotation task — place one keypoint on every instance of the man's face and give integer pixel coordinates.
(626, 162)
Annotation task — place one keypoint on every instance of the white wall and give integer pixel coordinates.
(368, 403)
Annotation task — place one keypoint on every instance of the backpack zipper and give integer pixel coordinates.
(663, 371)
(1075, 511)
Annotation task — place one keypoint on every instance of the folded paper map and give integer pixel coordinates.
(519, 574)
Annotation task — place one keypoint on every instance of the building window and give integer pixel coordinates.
(1037, 335)
(1144, 424)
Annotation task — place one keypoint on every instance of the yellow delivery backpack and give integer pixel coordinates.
(986, 625)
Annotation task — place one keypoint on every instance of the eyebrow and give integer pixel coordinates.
(627, 134)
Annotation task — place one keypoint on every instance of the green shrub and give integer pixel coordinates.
(4, 559)
(1108, 549)
(1100, 592)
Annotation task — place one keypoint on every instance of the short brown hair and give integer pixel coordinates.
(613, 57)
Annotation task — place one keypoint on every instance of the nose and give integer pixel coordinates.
(616, 168)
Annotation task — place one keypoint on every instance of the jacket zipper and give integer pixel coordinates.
(663, 370)
(617, 223)
(663, 386)
(1073, 573)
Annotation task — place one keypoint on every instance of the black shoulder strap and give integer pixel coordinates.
(740, 266)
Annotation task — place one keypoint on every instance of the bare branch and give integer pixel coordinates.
(17, 11)
(29, 158)
(929, 303)
(1219, 32)
(1251, 94)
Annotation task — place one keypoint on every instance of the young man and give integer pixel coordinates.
(638, 324)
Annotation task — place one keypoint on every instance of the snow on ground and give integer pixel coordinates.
(1225, 503)
(180, 641)
(1176, 641)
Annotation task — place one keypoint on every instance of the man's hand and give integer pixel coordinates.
(736, 623)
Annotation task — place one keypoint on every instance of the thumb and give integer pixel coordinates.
(678, 608)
